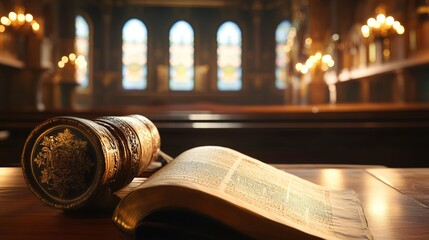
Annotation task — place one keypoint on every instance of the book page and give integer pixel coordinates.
(270, 192)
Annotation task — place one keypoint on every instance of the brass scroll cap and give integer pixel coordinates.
(64, 161)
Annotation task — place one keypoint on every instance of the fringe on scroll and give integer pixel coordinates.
(349, 221)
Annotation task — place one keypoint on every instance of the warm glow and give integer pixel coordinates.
(324, 62)
(396, 24)
(332, 178)
(318, 55)
(304, 69)
(78, 62)
(64, 59)
(81, 62)
(6, 174)
(5, 21)
(12, 16)
(378, 208)
(386, 53)
(371, 22)
(382, 26)
(381, 18)
(378, 202)
(390, 20)
(72, 56)
(298, 67)
(400, 30)
(326, 58)
(2, 28)
(324, 67)
(20, 21)
(28, 17)
(308, 41)
(21, 18)
(35, 26)
(310, 62)
(365, 31)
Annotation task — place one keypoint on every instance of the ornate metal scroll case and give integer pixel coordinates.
(70, 162)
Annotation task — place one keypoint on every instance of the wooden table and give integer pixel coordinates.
(396, 202)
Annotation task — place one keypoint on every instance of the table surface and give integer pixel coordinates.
(396, 203)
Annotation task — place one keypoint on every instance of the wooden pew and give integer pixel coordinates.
(382, 134)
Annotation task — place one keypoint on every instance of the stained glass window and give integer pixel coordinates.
(229, 71)
(282, 60)
(82, 48)
(181, 57)
(134, 55)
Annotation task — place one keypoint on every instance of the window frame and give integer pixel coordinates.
(276, 54)
(148, 83)
(88, 89)
(242, 69)
(193, 89)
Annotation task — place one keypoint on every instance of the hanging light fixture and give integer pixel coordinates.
(323, 62)
(19, 20)
(77, 61)
(382, 25)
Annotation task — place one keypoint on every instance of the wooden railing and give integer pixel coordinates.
(389, 135)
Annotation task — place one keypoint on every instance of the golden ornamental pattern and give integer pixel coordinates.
(112, 150)
(64, 163)
(132, 140)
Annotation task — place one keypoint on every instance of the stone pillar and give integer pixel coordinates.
(379, 46)
(319, 31)
(256, 21)
(103, 83)
(24, 87)
(66, 77)
(318, 91)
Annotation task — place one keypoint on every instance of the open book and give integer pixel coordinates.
(218, 193)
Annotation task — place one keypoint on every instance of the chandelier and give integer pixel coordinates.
(19, 21)
(323, 62)
(77, 62)
(382, 25)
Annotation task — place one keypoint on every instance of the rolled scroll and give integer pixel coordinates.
(70, 163)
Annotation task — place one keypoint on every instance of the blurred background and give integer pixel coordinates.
(286, 81)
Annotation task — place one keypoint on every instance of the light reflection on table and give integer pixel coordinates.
(391, 210)
(391, 214)
(332, 178)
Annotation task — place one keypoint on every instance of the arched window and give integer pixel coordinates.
(134, 55)
(282, 60)
(229, 71)
(181, 57)
(82, 42)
